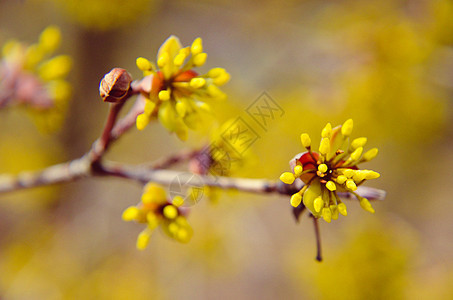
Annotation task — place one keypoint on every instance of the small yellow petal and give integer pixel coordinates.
(131, 213)
(298, 170)
(55, 68)
(327, 214)
(222, 79)
(359, 175)
(197, 82)
(350, 185)
(357, 153)
(181, 108)
(164, 95)
(371, 174)
(197, 46)
(154, 193)
(331, 186)
(366, 205)
(199, 59)
(335, 212)
(215, 92)
(348, 173)
(141, 121)
(327, 131)
(173, 228)
(358, 142)
(370, 154)
(342, 209)
(163, 60)
(50, 38)
(149, 107)
(287, 177)
(341, 179)
(152, 220)
(346, 129)
(322, 168)
(295, 200)
(305, 139)
(143, 239)
(143, 64)
(324, 146)
(170, 212)
(318, 204)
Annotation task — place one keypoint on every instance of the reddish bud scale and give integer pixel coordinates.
(185, 76)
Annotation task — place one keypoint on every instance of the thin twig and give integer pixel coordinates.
(173, 159)
(81, 168)
(318, 239)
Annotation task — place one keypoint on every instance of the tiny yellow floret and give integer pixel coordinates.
(366, 205)
(143, 64)
(197, 46)
(152, 220)
(305, 139)
(287, 177)
(141, 121)
(163, 60)
(341, 179)
(334, 210)
(131, 213)
(298, 170)
(326, 131)
(222, 79)
(348, 173)
(324, 146)
(358, 142)
(370, 154)
(357, 153)
(164, 95)
(200, 59)
(350, 185)
(318, 203)
(295, 200)
(331, 186)
(143, 239)
(170, 212)
(197, 83)
(371, 174)
(327, 214)
(322, 168)
(346, 129)
(342, 209)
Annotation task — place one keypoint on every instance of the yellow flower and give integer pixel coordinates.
(331, 170)
(178, 95)
(155, 209)
(30, 76)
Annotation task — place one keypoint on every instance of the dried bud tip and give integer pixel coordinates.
(115, 85)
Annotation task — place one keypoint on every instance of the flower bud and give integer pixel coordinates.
(115, 85)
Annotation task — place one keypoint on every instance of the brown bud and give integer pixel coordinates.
(115, 85)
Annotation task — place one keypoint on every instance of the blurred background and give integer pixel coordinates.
(387, 64)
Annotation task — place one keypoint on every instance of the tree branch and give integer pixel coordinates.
(81, 168)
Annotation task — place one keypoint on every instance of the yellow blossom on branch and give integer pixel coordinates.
(331, 169)
(156, 209)
(31, 77)
(178, 95)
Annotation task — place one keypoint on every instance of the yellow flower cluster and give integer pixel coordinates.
(40, 77)
(155, 210)
(178, 95)
(330, 170)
